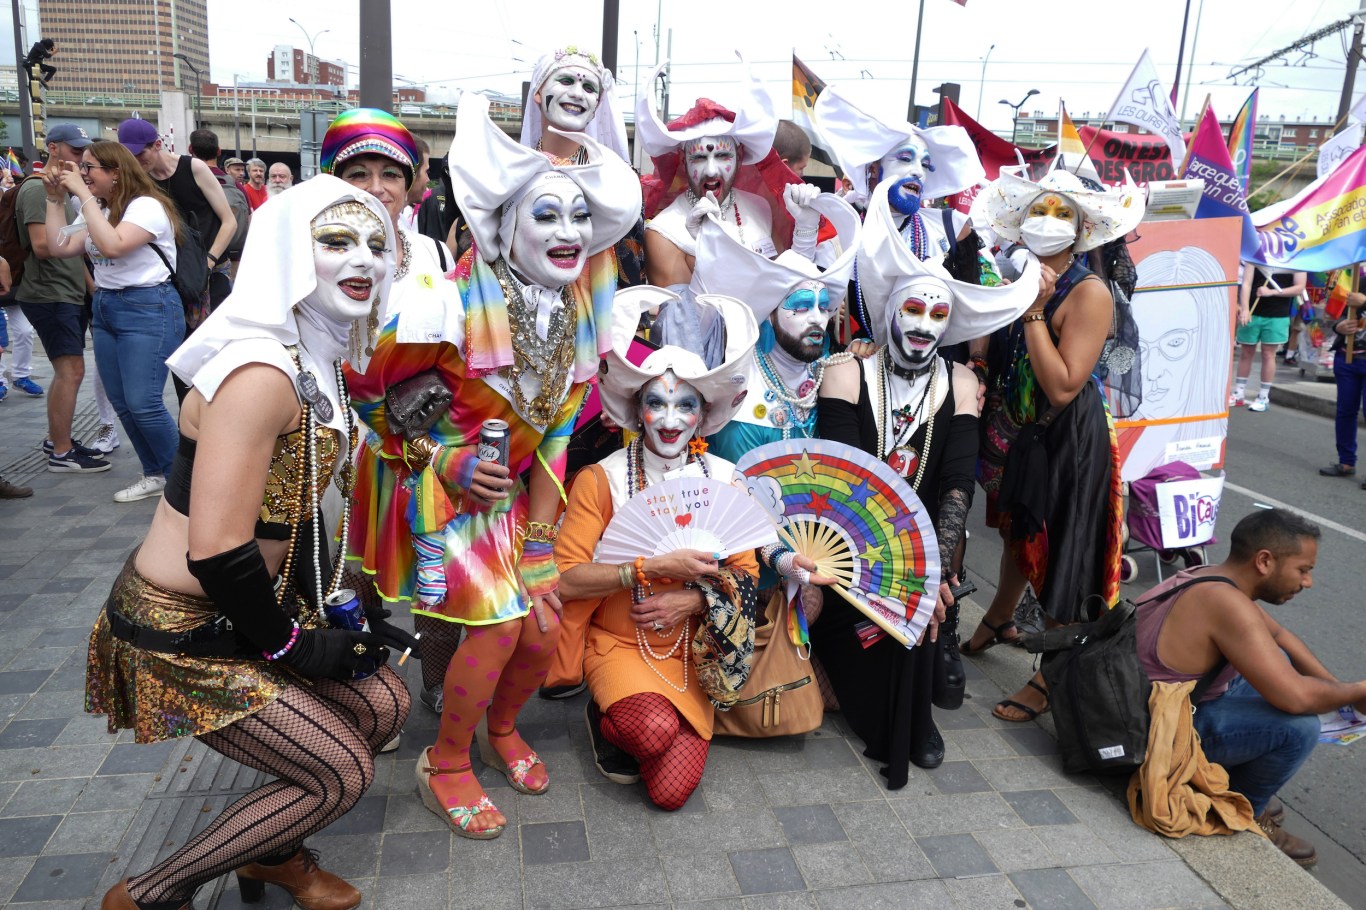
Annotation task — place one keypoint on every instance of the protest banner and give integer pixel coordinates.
(1240, 138)
(1142, 103)
(1323, 227)
(1208, 159)
(1335, 150)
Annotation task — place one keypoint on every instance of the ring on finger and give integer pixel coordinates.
(657, 626)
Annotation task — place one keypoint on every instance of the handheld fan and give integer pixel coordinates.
(858, 521)
(698, 513)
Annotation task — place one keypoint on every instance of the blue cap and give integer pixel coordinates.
(69, 133)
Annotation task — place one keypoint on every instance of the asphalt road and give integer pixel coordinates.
(1276, 456)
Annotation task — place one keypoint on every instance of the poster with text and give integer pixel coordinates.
(1184, 305)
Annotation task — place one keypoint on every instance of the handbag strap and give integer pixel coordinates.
(1213, 672)
(170, 272)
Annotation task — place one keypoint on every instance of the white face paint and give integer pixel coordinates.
(905, 167)
(920, 321)
(711, 163)
(348, 253)
(670, 411)
(799, 323)
(569, 98)
(552, 232)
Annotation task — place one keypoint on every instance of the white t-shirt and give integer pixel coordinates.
(142, 267)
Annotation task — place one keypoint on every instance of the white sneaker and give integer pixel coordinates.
(1237, 401)
(106, 440)
(143, 489)
(1261, 404)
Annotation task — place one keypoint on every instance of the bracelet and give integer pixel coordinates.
(425, 448)
(1035, 317)
(216, 259)
(293, 639)
(625, 577)
(640, 571)
(88, 200)
(541, 532)
(812, 232)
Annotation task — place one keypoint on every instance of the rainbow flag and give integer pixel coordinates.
(1319, 229)
(1072, 155)
(12, 161)
(1240, 139)
(1207, 158)
(806, 85)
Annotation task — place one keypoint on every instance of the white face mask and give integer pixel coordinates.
(800, 321)
(919, 326)
(1046, 235)
(569, 98)
(670, 411)
(348, 253)
(552, 233)
(711, 163)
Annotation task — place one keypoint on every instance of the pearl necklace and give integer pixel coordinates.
(800, 408)
(930, 394)
(635, 482)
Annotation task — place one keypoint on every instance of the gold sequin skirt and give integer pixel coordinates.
(165, 696)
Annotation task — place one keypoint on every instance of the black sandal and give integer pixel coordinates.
(968, 651)
(1011, 703)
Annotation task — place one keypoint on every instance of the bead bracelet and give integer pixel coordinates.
(293, 639)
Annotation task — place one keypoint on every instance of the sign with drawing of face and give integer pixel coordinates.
(1183, 306)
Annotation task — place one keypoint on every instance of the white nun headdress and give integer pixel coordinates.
(859, 139)
(608, 127)
(725, 266)
(268, 309)
(489, 171)
(887, 269)
(724, 389)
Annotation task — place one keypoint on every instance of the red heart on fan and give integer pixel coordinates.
(683, 520)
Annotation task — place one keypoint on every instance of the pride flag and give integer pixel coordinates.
(1072, 154)
(1207, 158)
(806, 85)
(1240, 137)
(1321, 229)
(12, 161)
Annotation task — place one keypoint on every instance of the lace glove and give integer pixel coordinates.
(782, 560)
(241, 588)
(334, 653)
(540, 575)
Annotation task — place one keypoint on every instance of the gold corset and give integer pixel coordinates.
(286, 489)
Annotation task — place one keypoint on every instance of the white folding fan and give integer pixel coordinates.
(697, 513)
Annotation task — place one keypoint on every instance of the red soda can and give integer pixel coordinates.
(493, 441)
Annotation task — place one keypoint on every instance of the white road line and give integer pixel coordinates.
(1317, 519)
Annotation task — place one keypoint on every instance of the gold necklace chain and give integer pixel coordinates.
(555, 372)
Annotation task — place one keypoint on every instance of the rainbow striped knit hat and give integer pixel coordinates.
(368, 131)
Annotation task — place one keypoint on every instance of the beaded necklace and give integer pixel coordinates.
(918, 239)
(306, 472)
(801, 406)
(904, 421)
(550, 360)
(635, 482)
(579, 157)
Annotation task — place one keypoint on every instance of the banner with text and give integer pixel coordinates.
(1188, 510)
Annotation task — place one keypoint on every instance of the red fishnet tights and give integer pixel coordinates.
(672, 756)
(494, 671)
(320, 742)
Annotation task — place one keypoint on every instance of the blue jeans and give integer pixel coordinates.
(135, 330)
(1261, 747)
(1351, 379)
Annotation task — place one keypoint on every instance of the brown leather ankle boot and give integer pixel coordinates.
(1297, 848)
(118, 898)
(312, 887)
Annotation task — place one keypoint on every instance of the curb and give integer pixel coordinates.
(1244, 869)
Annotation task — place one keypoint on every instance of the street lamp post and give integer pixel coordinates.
(236, 119)
(1015, 109)
(313, 75)
(198, 88)
(982, 84)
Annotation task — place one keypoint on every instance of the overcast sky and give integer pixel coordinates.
(1079, 50)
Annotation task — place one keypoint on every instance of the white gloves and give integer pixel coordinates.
(701, 209)
(798, 198)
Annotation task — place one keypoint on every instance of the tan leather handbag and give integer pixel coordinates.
(781, 697)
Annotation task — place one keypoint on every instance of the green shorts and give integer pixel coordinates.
(1266, 329)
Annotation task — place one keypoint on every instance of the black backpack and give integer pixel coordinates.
(191, 273)
(14, 246)
(1099, 691)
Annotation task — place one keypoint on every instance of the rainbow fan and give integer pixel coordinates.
(858, 521)
(697, 513)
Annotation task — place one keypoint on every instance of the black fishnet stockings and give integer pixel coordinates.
(320, 741)
(672, 756)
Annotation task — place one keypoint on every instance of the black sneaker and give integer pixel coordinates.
(77, 462)
(555, 693)
(75, 444)
(615, 764)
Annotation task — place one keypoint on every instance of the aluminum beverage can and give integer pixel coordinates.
(343, 610)
(493, 442)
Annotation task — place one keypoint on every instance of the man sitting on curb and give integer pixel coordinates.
(1259, 718)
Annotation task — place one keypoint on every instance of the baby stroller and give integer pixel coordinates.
(1190, 512)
